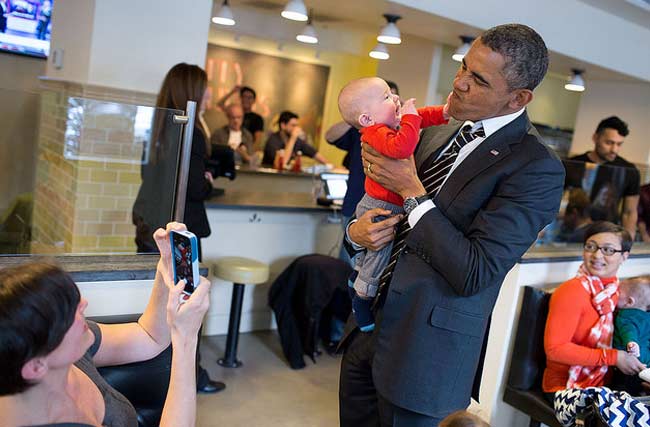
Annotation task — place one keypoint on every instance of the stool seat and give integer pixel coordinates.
(241, 270)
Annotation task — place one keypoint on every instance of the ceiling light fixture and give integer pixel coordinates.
(308, 34)
(379, 52)
(224, 16)
(462, 49)
(575, 83)
(389, 33)
(295, 10)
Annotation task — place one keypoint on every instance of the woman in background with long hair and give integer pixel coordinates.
(183, 83)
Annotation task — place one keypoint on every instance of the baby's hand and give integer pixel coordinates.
(408, 107)
(445, 108)
(633, 348)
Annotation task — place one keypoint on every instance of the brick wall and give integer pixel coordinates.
(88, 168)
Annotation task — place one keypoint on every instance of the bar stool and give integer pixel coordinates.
(240, 271)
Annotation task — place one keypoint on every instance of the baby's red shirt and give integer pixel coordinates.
(398, 144)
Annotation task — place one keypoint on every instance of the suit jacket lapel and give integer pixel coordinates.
(495, 148)
(434, 139)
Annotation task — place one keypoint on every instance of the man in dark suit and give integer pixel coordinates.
(471, 219)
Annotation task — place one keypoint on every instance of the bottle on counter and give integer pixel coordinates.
(278, 163)
(297, 166)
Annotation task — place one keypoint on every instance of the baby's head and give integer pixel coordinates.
(369, 101)
(463, 419)
(635, 293)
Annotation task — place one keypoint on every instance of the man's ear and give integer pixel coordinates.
(365, 120)
(34, 369)
(520, 99)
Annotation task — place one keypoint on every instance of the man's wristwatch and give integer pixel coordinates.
(411, 203)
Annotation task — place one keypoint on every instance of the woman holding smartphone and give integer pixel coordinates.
(50, 353)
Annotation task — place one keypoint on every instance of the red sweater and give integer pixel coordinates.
(570, 318)
(398, 144)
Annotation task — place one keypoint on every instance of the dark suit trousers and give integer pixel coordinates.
(359, 403)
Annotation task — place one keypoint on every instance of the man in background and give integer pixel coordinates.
(253, 122)
(290, 138)
(235, 136)
(611, 181)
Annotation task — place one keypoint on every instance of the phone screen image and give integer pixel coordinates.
(185, 259)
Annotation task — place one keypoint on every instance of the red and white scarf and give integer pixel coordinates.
(601, 334)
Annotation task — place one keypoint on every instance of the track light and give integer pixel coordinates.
(308, 34)
(379, 52)
(295, 10)
(575, 83)
(224, 16)
(389, 33)
(462, 49)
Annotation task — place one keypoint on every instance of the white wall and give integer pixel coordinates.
(629, 101)
(72, 31)
(570, 27)
(410, 66)
(128, 44)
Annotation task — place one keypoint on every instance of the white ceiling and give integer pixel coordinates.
(366, 15)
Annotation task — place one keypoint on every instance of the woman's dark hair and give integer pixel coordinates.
(609, 227)
(38, 303)
(183, 82)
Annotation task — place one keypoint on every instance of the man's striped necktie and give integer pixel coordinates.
(432, 178)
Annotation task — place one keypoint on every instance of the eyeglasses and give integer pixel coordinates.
(592, 247)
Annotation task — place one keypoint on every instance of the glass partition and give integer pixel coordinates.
(593, 192)
(83, 176)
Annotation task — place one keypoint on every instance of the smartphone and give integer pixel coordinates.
(185, 259)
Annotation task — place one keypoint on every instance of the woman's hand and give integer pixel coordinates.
(185, 313)
(374, 235)
(628, 363)
(164, 247)
(397, 175)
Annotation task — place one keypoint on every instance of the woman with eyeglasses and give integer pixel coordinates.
(580, 324)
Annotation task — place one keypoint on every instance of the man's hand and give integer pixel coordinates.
(628, 363)
(397, 175)
(374, 235)
(408, 107)
(297, 132)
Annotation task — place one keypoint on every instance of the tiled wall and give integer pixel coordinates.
(88, 169)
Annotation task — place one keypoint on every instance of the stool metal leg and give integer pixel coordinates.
(230, 358)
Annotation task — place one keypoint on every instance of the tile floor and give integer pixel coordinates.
(265, 392)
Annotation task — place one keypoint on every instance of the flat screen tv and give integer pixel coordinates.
(25, 26)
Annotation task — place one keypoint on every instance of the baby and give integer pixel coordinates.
(632, 324)
(393, 130)
(463, 419)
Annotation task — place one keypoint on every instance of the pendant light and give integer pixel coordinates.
(575, 82)
(308, 34)
(224, 16)
(462, 49)
(389, 33)
(379, 52)
(295, 10)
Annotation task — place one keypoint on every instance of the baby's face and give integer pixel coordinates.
(382, 105)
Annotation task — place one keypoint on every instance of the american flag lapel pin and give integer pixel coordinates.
(494, 152)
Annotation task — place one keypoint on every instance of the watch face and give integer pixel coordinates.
(410, 203)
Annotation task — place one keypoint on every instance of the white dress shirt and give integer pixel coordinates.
(490, 126)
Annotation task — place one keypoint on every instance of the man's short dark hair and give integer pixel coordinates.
(524, 51)
(609, 227)
(613, 123)
(392, 85)
(285, 116)
(247, 89)
(38, 304)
